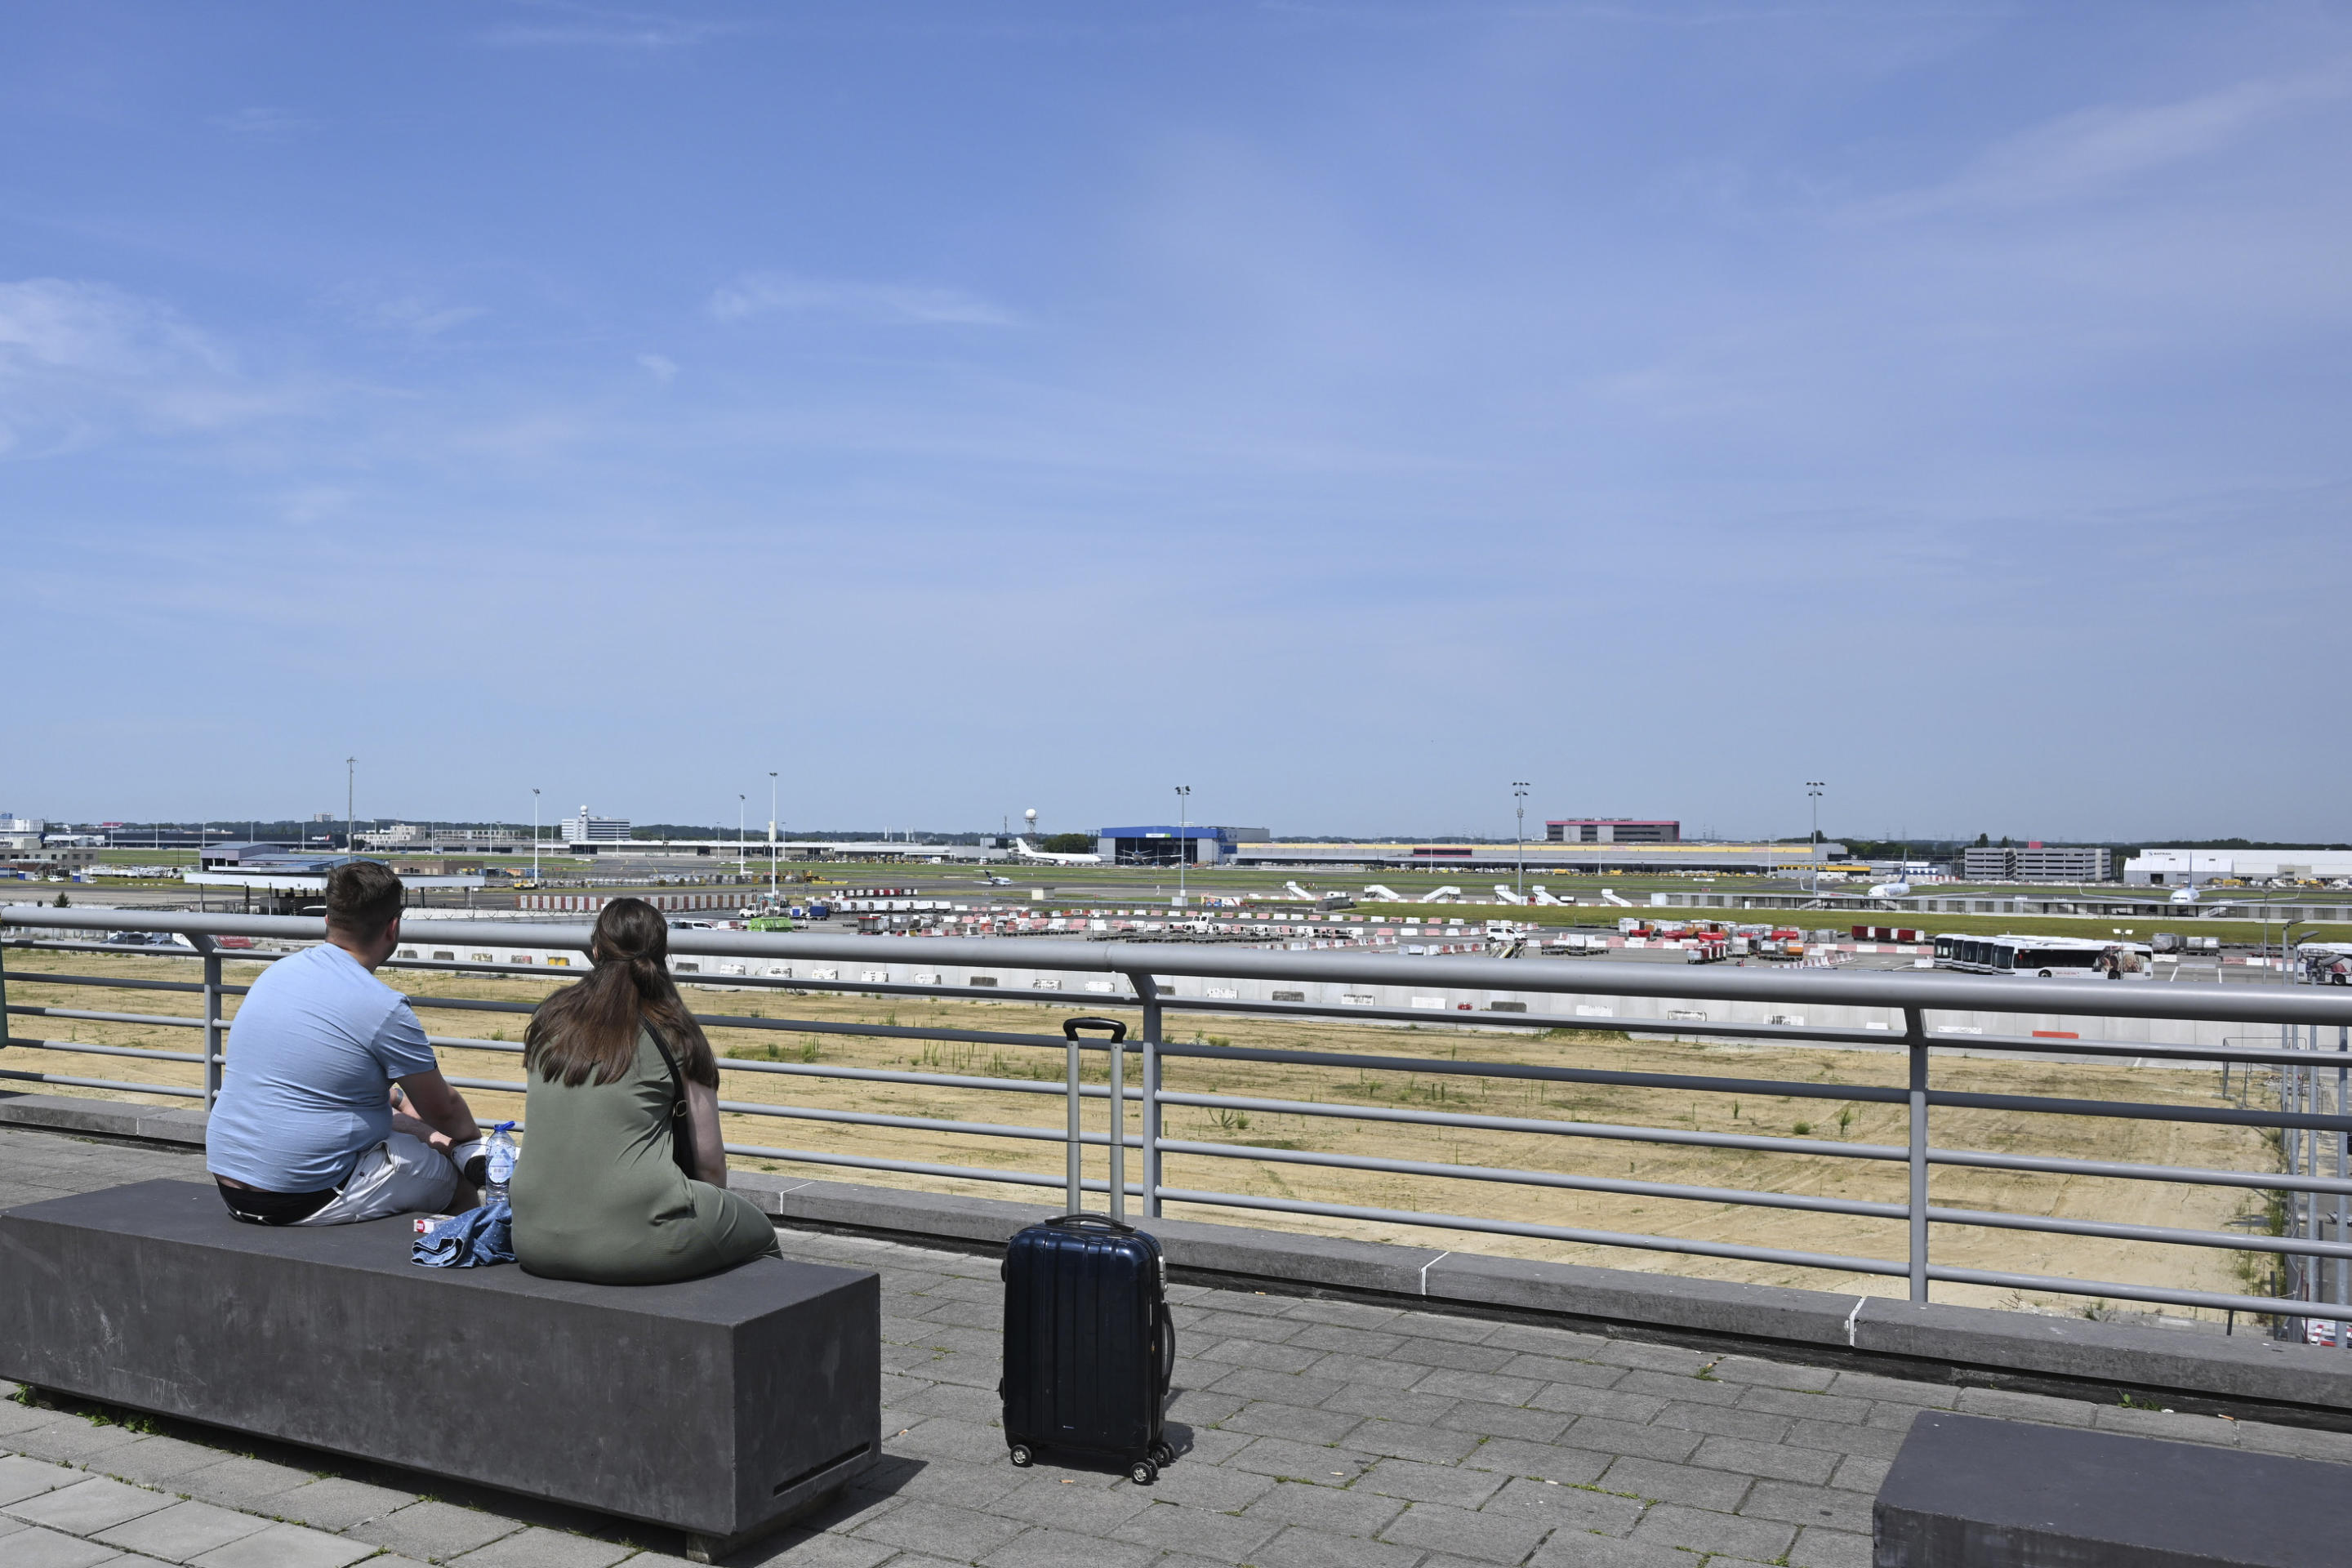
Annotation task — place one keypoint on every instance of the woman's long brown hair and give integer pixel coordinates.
(589, 1031)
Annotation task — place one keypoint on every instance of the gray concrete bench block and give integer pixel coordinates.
(719, 1406)
(1968, 1492)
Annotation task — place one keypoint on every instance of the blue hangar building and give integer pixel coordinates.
(1167, 845)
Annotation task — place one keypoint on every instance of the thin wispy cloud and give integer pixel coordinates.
(661, 367)
(602, 28)
(2096, 149)
(80, 360)
(783, 293)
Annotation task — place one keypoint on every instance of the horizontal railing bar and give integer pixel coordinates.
(1543, 1232)
(96, 1050)
(2059, 1285)
(165, 1020)
(1989, 1219)
(2195, 1175)
(1538, 1179)
(2137, 1111)
(920, 1168)
(941, 1080)
(918, 1123)
(43, 977)
(21, 1076)
(1448, 1067)
(1939, 992)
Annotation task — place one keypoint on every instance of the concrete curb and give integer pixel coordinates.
(1942, 1344)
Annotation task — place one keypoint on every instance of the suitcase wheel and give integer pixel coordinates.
(1161, 1454)
(1143, 1472)
(1022, 1457)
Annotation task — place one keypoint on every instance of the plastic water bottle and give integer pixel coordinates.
(499, 1152)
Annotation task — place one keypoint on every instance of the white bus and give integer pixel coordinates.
(2044, 957)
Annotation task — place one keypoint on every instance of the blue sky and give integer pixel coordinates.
(1344, 409)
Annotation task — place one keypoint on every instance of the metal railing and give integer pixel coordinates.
(2312, 1125)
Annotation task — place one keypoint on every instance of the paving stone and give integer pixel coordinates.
(1674, 1389)
(1561, 1369)
(802, 1549)
(1281, 1387)
(1346, 1314)
(23, 1477)
(1200, 1408)
(287, 1546)
(1577, 1549)
(183, 1530)
(155, 1459)
(1267, 1419)
(1723, 1422)
(1857, 1473)
(240, 1482)
(1280, 1458)
(1797, 1504)
(1409, 1440)
(1368, 1371)
(1300, 1547)
(1701, 1530)
(1774, 1374)
(2295, 1442)
(1775, 1460)
(335, 1503)
(1651, 1357)
(1061, 1503)
(1536, 1339)
(87, 1507)
(951, 1437)
(1463, 1533)
(2167, 1426)
(2014, 1406)
(71, 1439)
(1444, 1326)
(1803, 1407)
(1262, 1353)
(1603, 1435)
(1207, 1445)
(1486, 1387)
(15, 1418)
(1353, 1342)
(1544, 1461)
(1663, 1482)
(1505, 1421)
(1256, 1303)
(535, 1547)
(1876, 1442)
(959, 1400)
(434, 1529)
(1576, 1399)
(1247, 1326)
(1449, 1484)
(1201, 1489)
(1452, 1355)
(36, 1548)
(959, 1534)
(1325, 1508)
(1391, 1403)
(1893, 1417)
(1199, 1533)
(957, 1482)
(1565, 1508)
(1903, 1391)
(1830, 1548)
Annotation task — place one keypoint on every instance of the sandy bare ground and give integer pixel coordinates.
(761, 1051)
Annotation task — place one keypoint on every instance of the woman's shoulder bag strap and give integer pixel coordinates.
(681, 1122)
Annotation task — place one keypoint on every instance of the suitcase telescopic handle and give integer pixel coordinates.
(1070, 1027)
(1084, 1221)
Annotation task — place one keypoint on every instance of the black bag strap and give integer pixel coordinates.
(681, 1123)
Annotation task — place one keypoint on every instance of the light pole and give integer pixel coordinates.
(1183, 845)
(534, 839)
(771, 835)
(1520, 797)
(739, 834)
(1813, 846)
(351, 793)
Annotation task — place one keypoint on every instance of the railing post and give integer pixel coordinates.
(1076, 1172)
(1118, 1132)
(212, 1055)
(1148, 989)
(2343, 1172)
(1914, 1037)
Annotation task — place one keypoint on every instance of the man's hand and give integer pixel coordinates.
(441, 1110)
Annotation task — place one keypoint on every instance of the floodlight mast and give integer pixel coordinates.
(1813, 846)
(739, 834)
(1183, 844)
(351, 793)
(534, 837)
(771, 835)
(1519, 795)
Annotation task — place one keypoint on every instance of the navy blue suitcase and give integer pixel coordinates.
(1088, 1344)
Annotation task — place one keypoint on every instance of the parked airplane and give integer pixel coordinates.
(1028, 852)
(1890, 890)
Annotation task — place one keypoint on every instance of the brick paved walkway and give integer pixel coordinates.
(1312, 1433)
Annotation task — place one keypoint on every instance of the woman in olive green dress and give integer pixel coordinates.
(597, 1194)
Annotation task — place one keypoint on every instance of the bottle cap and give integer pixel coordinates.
(500, 1126)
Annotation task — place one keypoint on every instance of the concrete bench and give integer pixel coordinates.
(1968, 1492)
(721, 1407)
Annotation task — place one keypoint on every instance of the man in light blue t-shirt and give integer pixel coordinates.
(333, 1107)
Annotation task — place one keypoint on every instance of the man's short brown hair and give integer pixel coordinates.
(362, 898)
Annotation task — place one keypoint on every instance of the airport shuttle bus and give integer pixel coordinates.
(2044, 957)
